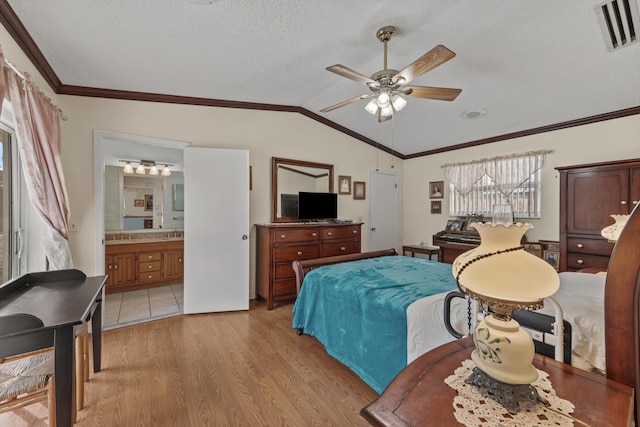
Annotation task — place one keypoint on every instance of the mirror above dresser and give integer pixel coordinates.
(288, 178)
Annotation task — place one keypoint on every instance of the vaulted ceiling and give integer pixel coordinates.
(523, 66)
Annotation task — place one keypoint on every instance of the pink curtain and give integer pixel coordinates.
(38, 132)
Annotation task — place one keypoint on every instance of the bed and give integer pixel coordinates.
(394, 307)
(621, 289)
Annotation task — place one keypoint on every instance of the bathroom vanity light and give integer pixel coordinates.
(141, 169)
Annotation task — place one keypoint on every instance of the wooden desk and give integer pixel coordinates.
(420, 249)
(418, 396)
(62, 300)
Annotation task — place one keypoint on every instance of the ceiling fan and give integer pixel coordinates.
(387, 85)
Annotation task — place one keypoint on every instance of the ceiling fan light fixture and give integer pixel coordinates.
(383, 99)
(398, 102)
(372, 106)
(386, 111)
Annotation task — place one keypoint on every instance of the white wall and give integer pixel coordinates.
(599, 142)
(265, 134)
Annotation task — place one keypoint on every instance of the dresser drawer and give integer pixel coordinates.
(577, 261)
(291, 235)
(149, 266)
(149, 276)
(149, 256)
(329, 233)
(341, 248)
(284, 271)
(297, 252)
(285, 287)
(589, 246)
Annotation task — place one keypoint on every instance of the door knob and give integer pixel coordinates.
(245, 237)
(373, 229)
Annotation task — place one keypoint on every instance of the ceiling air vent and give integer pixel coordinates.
(620, 22)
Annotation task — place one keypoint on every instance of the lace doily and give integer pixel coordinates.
(473, 410)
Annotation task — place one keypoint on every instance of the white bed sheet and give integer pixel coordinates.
(580, 295)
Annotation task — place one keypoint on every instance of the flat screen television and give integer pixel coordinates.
(317, 206)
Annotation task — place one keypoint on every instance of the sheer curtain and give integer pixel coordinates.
(38, 134)
(506, 172)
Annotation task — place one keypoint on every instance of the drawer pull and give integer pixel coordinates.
(343, 249)
(623, 202)
(179, 259)
(580, 245)
(283, 236)
(109, 267)
(355, 231)
(329, 234)
(115, 267)
(635, 202)
(314, 234)
(299, 253)
(150, 277)
(150, 267)
(150, 256)
(580, 261)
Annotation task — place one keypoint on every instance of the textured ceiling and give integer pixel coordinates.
(530, 64)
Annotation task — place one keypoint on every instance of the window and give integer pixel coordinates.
(475, 187)
(525, 200)
(12, 202)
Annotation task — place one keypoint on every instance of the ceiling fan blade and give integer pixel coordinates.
(439, 93)
(343, 71)
(430, 60)
(347, 102)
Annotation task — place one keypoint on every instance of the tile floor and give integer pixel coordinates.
(128, 308)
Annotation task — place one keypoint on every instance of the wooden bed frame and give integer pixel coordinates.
(621, 303)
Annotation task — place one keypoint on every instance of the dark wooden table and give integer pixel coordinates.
(420, 249)
(418, 396)
(62, 300)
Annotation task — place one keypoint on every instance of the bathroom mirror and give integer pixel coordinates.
(288, 177)
(137, 202)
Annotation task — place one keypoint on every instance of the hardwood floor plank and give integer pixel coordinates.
(222, 369)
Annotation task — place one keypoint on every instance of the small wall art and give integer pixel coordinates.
(344, 184)
(436, 190)
(359, 191)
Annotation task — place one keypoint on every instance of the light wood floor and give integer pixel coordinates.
(226, 369)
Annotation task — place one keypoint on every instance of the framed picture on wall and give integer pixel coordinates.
(436, 207)
(138, 203)
(436, 190)
(359, 192)
(344, 184)
(148, 202)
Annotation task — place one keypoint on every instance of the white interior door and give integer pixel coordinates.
(216, 230)
(383, 211)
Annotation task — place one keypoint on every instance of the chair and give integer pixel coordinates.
(26, 377)
(82, 363)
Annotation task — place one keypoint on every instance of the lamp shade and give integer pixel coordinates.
(499, 271)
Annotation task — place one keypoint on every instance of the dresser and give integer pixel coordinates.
(589, 194)
(278, 245)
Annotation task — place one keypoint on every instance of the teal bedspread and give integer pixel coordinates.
(357, 310)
